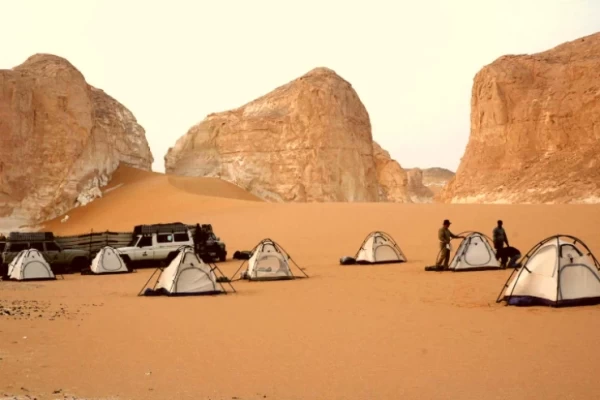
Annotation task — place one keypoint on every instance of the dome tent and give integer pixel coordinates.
(29, 265)
(186, 275)
(269, 261)
(558, 271)
(377, 248)
(474, 253)
(108, 261)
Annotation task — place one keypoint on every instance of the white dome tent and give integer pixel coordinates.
(558, 271)
(30, 265)
(187, 275)
(474, 253)
(108, 261)
(268, 262)
(377, 248)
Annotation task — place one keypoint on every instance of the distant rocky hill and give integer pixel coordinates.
(535, 129)
(60, 140)
(308, 140)
(425, 184)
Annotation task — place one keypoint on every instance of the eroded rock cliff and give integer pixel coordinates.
(308, 140)
(535, 129)
(60, 140)
(425, 184)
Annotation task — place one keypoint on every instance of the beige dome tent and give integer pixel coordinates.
(108, 261)
(30, 264)
(558, 271)
(269, 261)
(379, 248)
(188, 275)
(475, 253)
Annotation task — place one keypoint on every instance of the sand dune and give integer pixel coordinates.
(148, 197)
(352, 332)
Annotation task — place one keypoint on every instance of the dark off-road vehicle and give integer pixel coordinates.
(208, 245)
(61, 260)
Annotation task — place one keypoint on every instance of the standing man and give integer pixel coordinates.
(499, 237)
(199, 239)
(445, 236)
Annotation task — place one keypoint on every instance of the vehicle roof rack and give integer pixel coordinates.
(160, 228)
(30, 236)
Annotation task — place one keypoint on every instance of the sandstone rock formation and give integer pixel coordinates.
(425, 184)
(392, 180)
(419, 193)
(535, 129)
(60, 139)
(308, 140)
(436, 178)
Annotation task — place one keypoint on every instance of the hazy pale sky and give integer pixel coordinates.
(411, 62)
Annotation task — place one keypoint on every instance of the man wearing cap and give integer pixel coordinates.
(499, 237)
(445, 236)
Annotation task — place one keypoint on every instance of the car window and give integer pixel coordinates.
(16, 247)
(182, 237)
(164, 238)
(51, 246)
(145, 241)
(37, 245)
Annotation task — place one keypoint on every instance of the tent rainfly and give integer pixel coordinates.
(108, 261)
(475, 253)
(186, 275)
(28, 265)
(269, 261)
(558, 271)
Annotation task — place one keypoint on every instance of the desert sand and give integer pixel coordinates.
(348, 332)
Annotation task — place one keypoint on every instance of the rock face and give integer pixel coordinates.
(309, 140)
(425, 184)
(60, 140)
(419, 193)
(535, 129)
(436, 179)
(392, 180)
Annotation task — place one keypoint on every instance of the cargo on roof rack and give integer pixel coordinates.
(160, 228)
(30, 236)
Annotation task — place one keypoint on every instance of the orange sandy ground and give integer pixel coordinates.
(348, 332)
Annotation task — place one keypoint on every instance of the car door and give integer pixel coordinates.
(164, 246)
(52, 252)
(144, 251)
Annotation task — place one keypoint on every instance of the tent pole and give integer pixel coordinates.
(148, 281)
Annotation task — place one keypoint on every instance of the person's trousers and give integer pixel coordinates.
(498, 246)
(444, 256)
(512, 263)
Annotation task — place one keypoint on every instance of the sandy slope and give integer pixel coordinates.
(380, 332)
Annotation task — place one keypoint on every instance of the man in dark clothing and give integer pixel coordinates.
(509, 252)
(445, 236)
(499, 238)
(199, 239)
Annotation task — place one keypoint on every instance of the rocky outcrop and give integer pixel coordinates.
(535, 129)
(419, 193)
(435, 179)
(392, 180)
(425, 184)
(309, 140)
(60, 140)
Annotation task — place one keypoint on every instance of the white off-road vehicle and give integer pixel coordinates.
(156, 244)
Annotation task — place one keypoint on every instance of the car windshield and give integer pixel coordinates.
(134, 241)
